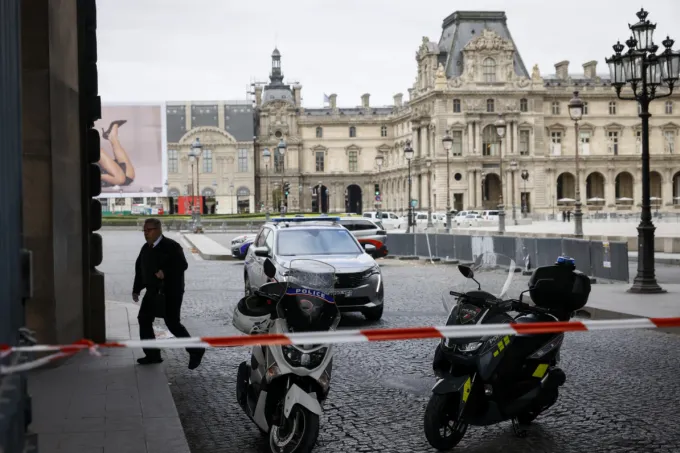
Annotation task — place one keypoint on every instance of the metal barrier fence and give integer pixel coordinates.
(607, 260)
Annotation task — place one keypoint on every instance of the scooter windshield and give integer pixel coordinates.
(308, 304)
(491, 273)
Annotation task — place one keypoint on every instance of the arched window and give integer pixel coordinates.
(490, 141)
(319, 132)
(489, 70)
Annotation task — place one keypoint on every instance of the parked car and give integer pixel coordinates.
(468, 220)
(358, 283)
(367, 232)
(240, 245)
(490, 215)
(389, 220)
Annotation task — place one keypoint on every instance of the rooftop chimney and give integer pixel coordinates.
(297, 94)
(399, 100)
(590, 69)
(333, 100)
(364, 100)
(562, 70)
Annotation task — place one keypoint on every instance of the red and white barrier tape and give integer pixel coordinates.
(346, 336)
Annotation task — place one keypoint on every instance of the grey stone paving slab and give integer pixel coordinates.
(106, 404)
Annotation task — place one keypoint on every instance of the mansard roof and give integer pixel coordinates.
(462, 27)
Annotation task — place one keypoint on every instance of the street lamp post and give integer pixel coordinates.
(194, 156)
(576, 113)
(525, 176)
(646, 72)
(429, 195)
(379, 159)
(447, 142)
(500, 130)
(282, 150)
(266, 156)
(513, 166)
(408, 154)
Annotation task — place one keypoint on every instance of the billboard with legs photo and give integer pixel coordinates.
(133, 150)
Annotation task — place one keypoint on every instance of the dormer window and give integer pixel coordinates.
(489, 70)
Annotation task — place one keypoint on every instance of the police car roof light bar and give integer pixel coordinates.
(303, 219)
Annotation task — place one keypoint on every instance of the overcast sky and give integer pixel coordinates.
(157, 50)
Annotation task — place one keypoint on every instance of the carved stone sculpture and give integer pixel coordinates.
(469, 68)
(440, 71)
(535, 73)
(489, 40)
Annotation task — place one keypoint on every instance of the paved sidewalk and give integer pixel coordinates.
(106, 404)
(615, 298)
(659, 258)
(207, 248)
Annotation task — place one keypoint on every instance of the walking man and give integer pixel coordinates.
(160, 270)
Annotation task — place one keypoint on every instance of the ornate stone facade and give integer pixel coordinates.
(226, 167)
(465, 91)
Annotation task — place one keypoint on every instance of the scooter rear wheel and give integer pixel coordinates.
(442, 430)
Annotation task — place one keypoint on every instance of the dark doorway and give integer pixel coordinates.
(458, 201)
(320, 199)
(353, 202)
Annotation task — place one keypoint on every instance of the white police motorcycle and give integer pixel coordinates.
(283, 387)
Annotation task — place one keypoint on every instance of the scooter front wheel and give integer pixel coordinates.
(442, 430)
(297, 433)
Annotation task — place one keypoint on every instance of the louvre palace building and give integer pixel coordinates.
(465, 82)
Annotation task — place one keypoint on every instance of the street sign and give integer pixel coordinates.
(378, 198)
(414, 203)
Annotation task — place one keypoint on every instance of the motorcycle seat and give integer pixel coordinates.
(529, 318)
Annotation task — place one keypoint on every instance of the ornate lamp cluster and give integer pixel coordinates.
(640, 66)
(646, 72)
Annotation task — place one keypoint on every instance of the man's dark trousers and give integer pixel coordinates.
(146, 317)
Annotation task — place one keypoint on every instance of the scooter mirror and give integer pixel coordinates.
(466, 271)
(269, 268)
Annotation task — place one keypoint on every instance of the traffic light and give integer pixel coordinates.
(90, 111)
(286, 188)
(377, 189)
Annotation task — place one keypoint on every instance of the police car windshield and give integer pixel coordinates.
(299, 242)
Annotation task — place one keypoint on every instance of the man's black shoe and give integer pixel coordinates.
(195, 359)
(149, 360)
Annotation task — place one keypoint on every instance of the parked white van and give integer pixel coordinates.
(389, 220)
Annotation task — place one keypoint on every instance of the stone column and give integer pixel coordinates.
(667, 188)
(414, 143)
(609, 189)
(470, 201)
(478, 145)
(424, 133)
(515, 138)
(468, 150)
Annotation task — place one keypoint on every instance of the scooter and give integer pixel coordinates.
(283, 387)
(487, 380)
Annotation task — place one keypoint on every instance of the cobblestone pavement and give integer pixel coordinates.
(621, 393)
